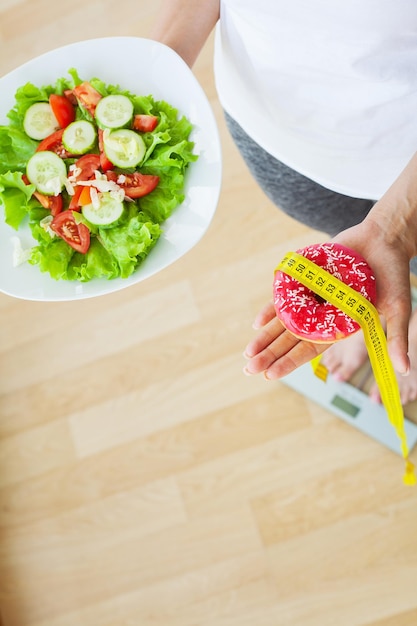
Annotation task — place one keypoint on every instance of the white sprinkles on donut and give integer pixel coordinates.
(308, 316)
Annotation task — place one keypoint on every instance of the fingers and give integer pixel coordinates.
(397, 338)
(396, 309)
(267, 335)
(265, 350)
(264, 316)
(276, 352)
(302, 352)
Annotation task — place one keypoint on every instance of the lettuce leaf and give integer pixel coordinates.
(16, 148)
(53, 255)
(129, 244)
(15, 196)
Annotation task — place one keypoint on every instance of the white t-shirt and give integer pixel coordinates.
(328, 87)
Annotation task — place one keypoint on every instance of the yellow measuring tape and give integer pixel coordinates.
(364, 313)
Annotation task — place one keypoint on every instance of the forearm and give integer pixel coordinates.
(396, 212)
(184, 26)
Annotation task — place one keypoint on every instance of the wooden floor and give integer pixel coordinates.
(144, 480)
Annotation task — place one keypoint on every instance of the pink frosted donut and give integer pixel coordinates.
(308, 316)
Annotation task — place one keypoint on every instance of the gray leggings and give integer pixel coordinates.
(295, 194)
(298, 196)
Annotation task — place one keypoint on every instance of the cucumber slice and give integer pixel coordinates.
(47, 171)
(124, 148)
(106, 213)
(40, 121)
(114, 112)
(79, 137)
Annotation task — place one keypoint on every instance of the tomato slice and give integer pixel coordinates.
(76, 235)
(53, 143)
(88, 163)
(145, 123)
(62, 109)
(87, 96)
(70, 95)
(135, 185)
(74, 204)
(85, 168)
(53, 203)
(105, 164)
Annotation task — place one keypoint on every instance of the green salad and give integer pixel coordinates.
(94, 171)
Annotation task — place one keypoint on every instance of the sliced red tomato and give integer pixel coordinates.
(87, 164)
(105, 164)
(87, 96)
(145, 123)
(74, 204)
(62, 109)
(53, 203)
(53, 143)
(70, 95)
(76, 235)
(135, 185)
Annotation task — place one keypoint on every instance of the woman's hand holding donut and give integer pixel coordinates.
(276, 352)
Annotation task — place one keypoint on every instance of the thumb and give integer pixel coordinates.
(398, 320)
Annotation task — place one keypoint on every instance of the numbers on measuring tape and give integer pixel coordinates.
(321, 282)
(340, 295)
(310, 275)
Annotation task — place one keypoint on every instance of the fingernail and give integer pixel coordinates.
(247, 372)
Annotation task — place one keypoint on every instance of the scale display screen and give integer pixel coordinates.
(345, 406)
